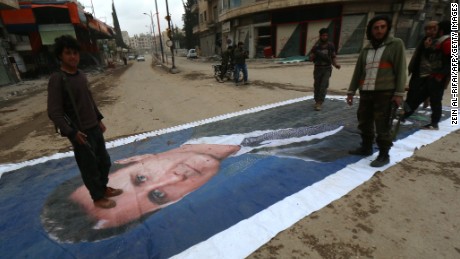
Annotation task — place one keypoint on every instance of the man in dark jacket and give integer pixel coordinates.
(72, 109)
(227, 57)
(438, 53)
(419, 67)
(380, 76)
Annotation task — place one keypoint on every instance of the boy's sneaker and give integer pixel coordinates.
(105, 203)
(112, 192)
(430, 127)
(317, 106)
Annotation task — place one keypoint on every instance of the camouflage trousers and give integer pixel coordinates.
(375, 110)
(321, 76)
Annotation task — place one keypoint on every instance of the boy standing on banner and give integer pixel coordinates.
(72, 109)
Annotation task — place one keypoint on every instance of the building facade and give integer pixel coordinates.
(31, 29)
(9, 72)
(141, 43)
(283, 28)
(125, 36)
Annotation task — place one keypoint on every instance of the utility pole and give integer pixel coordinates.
(152, 30)
(170, 35)
(159, 32)
(92, 8)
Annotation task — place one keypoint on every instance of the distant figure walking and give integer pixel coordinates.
(240, 55)
(324, 56)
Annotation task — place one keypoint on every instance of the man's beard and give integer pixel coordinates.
(377, 42)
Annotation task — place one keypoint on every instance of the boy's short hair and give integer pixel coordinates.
(240, 43)
(65, 41)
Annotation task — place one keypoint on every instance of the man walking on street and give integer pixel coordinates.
(72, 109)
(240, 55)
(324, 56)
(380, 76)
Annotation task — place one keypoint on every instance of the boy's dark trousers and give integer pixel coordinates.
(321, 77)
(94, 163)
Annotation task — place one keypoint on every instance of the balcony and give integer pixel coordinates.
(211, 24)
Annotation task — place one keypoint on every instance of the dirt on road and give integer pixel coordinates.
(410, 210)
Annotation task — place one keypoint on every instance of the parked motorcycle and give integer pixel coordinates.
(229, 75)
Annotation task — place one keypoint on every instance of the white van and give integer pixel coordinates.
(192, 53)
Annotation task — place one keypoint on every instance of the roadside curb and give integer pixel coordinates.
(158, 63)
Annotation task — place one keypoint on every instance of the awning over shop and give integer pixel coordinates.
(101, 27)
(103, 31)
(47, 9)
(44, 21)
(16, 17)
(49, 32)
(19, 21)
(30, 14)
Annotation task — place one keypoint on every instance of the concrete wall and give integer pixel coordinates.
(208, 45)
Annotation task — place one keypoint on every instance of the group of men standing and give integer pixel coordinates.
(234, 58)
(380, 76)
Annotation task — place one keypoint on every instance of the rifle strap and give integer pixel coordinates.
(72, 98)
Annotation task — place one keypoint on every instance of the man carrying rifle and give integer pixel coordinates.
(72, 109)
(380, 76)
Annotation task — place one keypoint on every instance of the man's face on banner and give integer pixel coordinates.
(151, 182)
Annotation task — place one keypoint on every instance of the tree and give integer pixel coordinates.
(190, 20)
(116, 25)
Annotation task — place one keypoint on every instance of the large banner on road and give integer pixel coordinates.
(218, 188)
